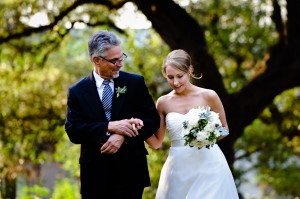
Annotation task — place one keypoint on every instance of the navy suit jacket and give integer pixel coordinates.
(86, 124)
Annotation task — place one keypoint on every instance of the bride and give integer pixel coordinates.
(189, 172)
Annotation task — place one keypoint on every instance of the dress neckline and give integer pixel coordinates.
(173, 112)
(181, 113)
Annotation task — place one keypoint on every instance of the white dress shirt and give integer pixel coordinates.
(99, 84)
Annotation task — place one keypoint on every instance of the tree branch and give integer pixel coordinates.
(277, 19)
(293, 23)
(31, 30)
(260, 92)
(180, 31)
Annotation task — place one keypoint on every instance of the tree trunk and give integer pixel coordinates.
(8, 187)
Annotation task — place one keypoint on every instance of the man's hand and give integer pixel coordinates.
(127, 127)
(113, 144)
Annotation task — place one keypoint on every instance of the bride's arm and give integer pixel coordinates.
(156, 140)
(217, 106)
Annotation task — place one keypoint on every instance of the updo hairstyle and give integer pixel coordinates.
(180, 60)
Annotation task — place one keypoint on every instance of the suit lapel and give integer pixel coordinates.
(118, 101)
(92, 97)
(95, 104)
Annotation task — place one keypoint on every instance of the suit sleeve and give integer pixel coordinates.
(146, 111)
(79, 128)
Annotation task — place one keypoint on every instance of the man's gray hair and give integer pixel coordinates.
(100, 42)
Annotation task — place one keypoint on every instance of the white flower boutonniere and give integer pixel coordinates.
(120, 90)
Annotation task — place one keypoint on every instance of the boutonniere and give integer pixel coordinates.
(120, 90)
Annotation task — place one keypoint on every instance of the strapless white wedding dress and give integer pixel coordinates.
(192, 173)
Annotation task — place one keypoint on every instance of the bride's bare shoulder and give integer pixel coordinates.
(163, 102)
(208, 95)
(164, 98)
(207, 92)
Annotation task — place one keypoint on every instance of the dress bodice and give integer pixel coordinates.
(174, 126)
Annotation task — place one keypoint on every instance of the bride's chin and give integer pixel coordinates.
(177, 90)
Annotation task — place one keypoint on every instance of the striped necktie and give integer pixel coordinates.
(107, 98)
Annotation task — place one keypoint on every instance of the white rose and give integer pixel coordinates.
(200, 144)
(192, 112)
(193, 120)
(214, 118)
(206, 142)
(202, 136)
(209, 127)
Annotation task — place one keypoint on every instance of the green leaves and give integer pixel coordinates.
(202, 123)
(271, 145)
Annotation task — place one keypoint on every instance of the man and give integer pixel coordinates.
(111, 129)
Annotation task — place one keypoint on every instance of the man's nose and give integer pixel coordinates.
(119, 63)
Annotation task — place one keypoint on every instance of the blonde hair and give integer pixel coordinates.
(180, 60)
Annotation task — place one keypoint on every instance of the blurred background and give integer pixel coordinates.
(247, 51)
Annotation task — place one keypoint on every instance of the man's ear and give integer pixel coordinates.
(96, 60)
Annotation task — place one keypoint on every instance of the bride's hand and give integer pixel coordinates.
(136, 123)
(125, 127)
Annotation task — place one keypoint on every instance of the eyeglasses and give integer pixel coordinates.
(115, 60)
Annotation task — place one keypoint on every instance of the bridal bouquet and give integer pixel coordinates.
(202, 127)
